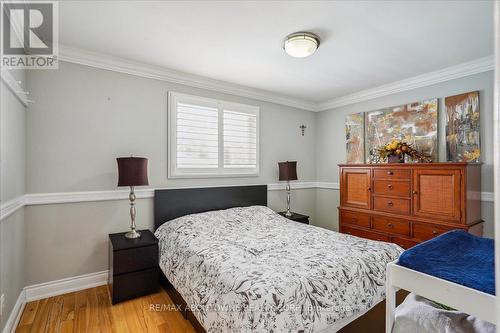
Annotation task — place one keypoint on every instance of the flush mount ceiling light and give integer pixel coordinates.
(301, 44)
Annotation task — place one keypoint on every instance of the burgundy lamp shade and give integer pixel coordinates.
(132, 171)
(288, 170)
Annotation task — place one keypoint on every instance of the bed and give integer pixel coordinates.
(240, 267)
(455, 269)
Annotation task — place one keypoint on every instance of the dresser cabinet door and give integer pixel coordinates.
(436, 193)
(356, 188)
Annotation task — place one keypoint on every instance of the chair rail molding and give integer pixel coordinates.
(9, 207)
(34, 199)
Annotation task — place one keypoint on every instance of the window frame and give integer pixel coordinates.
(221, 105)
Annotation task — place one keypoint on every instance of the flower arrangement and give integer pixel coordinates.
(395, 151)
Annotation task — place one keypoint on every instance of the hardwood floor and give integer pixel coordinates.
(91, 311)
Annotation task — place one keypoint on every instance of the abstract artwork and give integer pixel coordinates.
(414, 123)
(462, 128)
(355, 138)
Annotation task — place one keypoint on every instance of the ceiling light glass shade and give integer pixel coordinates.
(301, 44)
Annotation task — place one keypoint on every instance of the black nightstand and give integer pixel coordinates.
(296, 217)
(133, 266)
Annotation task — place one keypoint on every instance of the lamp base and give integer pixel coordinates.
(133, 234)
(288, 213)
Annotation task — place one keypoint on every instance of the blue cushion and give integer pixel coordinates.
(455, 256)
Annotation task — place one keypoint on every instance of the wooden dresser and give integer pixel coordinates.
(409, 203)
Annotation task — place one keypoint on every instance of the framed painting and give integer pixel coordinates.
(355, 138)
(463, 128)
(414, 123)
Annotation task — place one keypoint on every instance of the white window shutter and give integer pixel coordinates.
(240, 139)
(197, 136)
(211, 138)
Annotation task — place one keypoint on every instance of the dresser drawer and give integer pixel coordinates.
(364, 234)
(393, 226)
(392, 205)
(135, 259)
(395, 188)
(405, 243)
(424, 231)
(390, 173)
(359, 219)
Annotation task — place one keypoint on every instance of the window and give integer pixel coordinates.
(210, 138)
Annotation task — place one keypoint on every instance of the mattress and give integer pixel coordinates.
(249, 269)
(456, 256)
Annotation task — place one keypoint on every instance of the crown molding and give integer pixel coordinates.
(121, 65)
(116, 64)
(449, 73)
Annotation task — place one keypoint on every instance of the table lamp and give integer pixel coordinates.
(132, 171)
(287, 171)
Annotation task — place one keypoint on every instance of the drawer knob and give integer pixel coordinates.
(390, 203)
(390, 173)
(434, 232)
(389, 187)
(390, 225)
(415, 192)
(369, 188)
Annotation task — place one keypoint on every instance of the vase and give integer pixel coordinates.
(395, 159)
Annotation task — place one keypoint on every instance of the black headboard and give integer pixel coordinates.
(173, 203)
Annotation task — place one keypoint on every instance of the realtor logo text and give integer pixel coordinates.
(29, 34)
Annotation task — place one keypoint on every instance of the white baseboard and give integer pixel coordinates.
(49, 289)
(64, 286)
(15, 314)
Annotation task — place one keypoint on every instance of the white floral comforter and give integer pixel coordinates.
(251, 270)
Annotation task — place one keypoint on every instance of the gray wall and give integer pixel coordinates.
(12, 144)
(330, 139)
(85, 117)
(12, 179)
